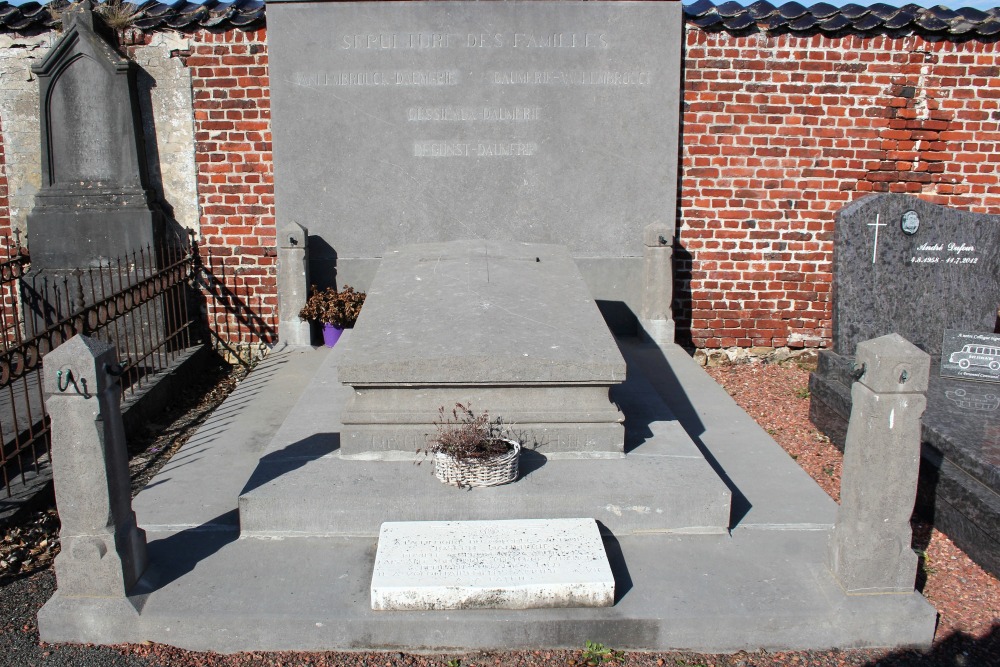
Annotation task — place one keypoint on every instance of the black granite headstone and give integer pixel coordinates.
(94, 203)
(904, 265)
(907, 266)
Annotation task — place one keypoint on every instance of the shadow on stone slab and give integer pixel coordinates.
(656, 365)
(619, 317)
(292, 457)
(616, 559)
(171, 557)
(529, 462)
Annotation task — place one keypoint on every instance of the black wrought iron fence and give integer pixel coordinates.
(23, 425)
(138, 303)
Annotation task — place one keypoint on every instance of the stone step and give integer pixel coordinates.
(302, 485)
(709, 593)
(333, 496)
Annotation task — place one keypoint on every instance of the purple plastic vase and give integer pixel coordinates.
(331, 334)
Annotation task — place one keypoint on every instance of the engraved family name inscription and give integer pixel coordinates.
(536, 122)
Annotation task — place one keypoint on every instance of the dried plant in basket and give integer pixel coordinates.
(471, 449)
(467, 435)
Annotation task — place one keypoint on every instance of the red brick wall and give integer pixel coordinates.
(4, 201)
(779, 132)
(232, 111)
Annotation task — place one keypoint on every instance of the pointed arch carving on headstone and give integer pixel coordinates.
(91, 132)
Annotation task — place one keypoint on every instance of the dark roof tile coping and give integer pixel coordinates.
(727, 16)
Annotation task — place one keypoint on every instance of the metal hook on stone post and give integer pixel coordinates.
(71, 381)
(60, 374)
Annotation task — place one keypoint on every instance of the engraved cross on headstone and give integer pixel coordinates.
(876, 225)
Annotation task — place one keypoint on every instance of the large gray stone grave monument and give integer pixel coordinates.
(543, 122)
(523, 128)
(903, 265)
(507, 327)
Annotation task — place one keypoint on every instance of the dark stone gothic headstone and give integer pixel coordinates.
(94, 203)
(903, 265)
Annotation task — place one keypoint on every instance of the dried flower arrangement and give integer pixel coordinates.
(341, 309)
(466, 435)
(471, 449)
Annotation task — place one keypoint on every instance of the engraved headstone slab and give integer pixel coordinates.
(971, 355)
(525, 564)
(403, 122)
(906, 266)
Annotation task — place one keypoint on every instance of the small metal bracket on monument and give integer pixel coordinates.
(858, 372)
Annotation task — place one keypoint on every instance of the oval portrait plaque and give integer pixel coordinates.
(910, 222)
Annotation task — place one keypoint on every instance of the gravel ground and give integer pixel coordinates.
(967, 598)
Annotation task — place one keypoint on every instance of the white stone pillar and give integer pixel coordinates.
(293, 284)
(870, 548)
(103, 550)
(656, 319)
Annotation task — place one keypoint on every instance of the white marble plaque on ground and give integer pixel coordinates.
(521, 564)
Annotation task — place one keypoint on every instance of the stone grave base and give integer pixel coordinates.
(959, 483)
(384, 423)
(212, 591)
(765, 584)
(304, 485)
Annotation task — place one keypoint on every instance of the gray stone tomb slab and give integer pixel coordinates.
(508, 327)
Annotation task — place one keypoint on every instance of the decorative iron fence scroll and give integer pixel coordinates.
(138, 303)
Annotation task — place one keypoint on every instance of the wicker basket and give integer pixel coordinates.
(486, 472)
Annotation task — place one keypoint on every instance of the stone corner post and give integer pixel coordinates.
(870, 549)
(103, 550)
(293, 284)
(656, 319)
